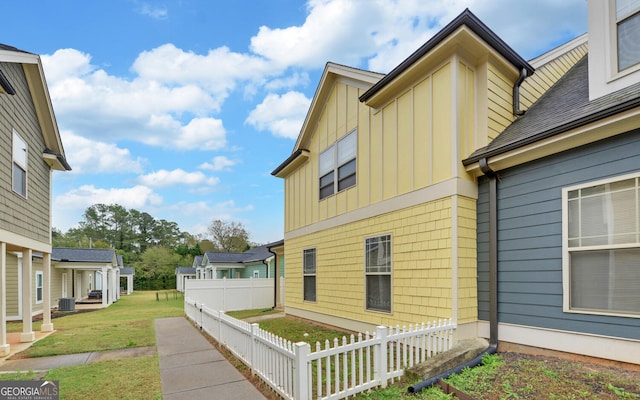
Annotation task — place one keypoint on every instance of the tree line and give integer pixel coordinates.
(154, 247)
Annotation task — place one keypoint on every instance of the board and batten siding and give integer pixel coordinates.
(27, 217)
(406, 145)
(530, 236)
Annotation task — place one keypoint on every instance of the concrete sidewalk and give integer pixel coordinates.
(191, 368)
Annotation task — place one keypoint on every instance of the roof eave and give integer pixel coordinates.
(468, 19)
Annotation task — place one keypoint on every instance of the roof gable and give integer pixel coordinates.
(34, 74)
(466, 32)
(332, 73)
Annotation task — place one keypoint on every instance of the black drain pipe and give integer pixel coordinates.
(493, 285)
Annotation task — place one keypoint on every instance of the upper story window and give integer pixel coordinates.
(337, 166)
(19, 165)
(602, 247)
(628, 32)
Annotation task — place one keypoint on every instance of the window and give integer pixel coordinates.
(378, 273)
(602, 241)
(309, 274)
(39, 281)
(19, 167)
(256, 274)
(337, 166)
(628, 31)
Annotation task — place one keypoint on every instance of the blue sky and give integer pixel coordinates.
(182, 108)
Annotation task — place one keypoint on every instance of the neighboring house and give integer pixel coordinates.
(380, 214)
(258, 262)
(182, 274)
(31, 149)
(559, 205)
(405, 193)
(126, 275)
(88, 274)
(197, 264)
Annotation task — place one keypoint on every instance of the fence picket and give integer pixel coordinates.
(288, 368)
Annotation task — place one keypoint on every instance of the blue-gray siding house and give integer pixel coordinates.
(558, 217)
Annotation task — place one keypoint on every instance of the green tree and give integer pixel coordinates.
(229, 236)
(156, 268)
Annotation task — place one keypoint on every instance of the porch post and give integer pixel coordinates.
(104, 287)
(47, 326)
(4, 347)
(27, 334)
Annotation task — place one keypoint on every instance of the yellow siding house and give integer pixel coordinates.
(380, 214)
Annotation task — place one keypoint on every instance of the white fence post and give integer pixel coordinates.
(380, 368)
(253, 348)
(301, 385)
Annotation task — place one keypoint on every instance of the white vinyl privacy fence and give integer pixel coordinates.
(233, 294)
(333, 370)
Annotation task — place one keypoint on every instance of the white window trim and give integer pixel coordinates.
(25, 167)
(39, 274)
(613, 43)
(334, 148)
(604, 77)
(256, 274)
(566, 278)
(390, 273)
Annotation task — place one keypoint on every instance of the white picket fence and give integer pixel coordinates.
(336, 371)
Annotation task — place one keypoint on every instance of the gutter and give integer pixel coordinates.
(493, 286)
(602, 114)
(275, 277)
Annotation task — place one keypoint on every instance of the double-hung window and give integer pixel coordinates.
(602, 247)
(628, 32)
(309, 274)
(337, 166)
(39, 284)
(19, 166)
(378, 273)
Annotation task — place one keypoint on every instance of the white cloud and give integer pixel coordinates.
(88, 156)
(70, 206)
(282, 115)
(94, 104)
(218, 163)
(378, 35)
(219, 71)
(164, 178)
(153, 12)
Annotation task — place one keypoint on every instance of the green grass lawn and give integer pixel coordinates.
(126, 323)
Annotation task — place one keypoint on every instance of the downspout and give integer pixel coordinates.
(516, 93)
(275, 277)
(493, 286)
(493, 251)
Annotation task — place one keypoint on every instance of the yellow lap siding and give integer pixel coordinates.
(421, 268)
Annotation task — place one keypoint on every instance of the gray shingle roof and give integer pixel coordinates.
(82, 255)
(127, 271)
(257, 254)
(222, 257)
(186, 271)
(563, 107)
